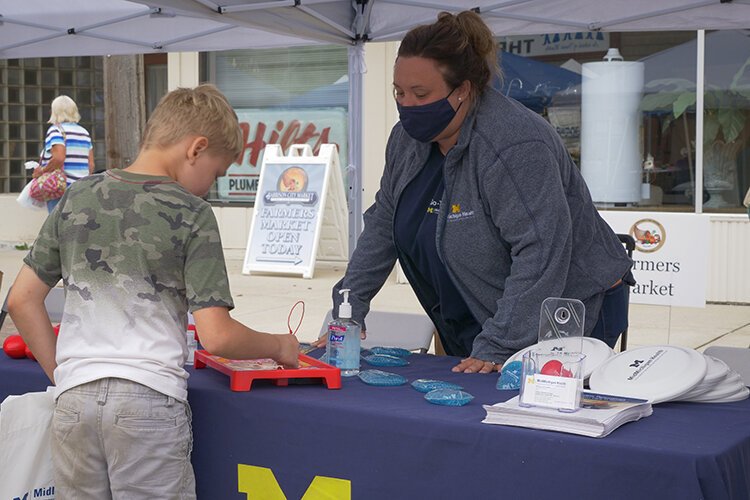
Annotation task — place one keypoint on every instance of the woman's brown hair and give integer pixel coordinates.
(461, 44)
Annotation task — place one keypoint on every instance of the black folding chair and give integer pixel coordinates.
(629, 243)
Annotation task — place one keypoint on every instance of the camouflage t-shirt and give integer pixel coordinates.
(135, 252)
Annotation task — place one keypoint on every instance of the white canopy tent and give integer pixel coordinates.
(46, 28)
(33, 28)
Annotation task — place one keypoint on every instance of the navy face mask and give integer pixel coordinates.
(423, 123)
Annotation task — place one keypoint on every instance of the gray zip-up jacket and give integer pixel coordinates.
(516, 225)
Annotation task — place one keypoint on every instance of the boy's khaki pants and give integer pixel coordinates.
(113, 438)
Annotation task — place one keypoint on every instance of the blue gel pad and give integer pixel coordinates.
(510, 376)
(385, 360)
(427, 385)
(391, 351)
(381, 378)
(448, 397)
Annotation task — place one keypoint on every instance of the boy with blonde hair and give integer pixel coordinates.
(136, 249)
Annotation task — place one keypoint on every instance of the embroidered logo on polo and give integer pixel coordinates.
(458, 213)
(434, 207)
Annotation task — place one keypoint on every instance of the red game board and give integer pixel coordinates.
(242, 372)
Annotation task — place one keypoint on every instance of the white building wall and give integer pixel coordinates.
(728, 259)
(182, 70)
(380, 114)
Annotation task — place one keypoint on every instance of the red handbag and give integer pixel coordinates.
(48, 186)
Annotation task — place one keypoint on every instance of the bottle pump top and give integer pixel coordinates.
(345, 308)
(613, 54)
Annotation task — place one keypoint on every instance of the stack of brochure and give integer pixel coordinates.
(599, 415)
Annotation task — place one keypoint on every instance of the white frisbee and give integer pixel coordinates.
(657, 373)
(741, 394)
(716, 371)
(738, 396)
(729, 388)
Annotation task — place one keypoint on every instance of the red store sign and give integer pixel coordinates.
(261, 127)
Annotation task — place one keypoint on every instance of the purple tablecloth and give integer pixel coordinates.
(391, 443)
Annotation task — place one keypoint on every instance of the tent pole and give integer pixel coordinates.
(273, 4)
(117, 39)
(164, 45)
(326, 21)
(501, 5)
(429, 5)
(210, 5)
(32, 41)
(354, 168)
(699, 88)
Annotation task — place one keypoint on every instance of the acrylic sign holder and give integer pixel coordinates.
(241, 377)
(553, 371)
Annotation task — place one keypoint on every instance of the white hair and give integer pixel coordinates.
(64, 109)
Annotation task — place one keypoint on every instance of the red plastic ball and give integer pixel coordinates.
(29, 354)
(552, 367)
(15, 347)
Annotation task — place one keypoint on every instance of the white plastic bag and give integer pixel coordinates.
(25, 457)
(25, 200)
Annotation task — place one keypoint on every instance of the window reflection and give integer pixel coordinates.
(669, 134)
(665, 152)
(726, 171)
(281, 96)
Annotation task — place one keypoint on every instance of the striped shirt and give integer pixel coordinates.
(77, 142)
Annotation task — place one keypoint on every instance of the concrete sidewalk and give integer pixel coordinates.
(264, 302)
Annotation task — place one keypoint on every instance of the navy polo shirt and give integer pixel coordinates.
(414, 227)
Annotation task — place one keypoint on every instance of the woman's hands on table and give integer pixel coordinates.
(473, 365)
(467, 365)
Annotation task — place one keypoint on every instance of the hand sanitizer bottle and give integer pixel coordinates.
(342, 349)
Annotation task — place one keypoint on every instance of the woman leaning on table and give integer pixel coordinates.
(482, 206)
(67, 145)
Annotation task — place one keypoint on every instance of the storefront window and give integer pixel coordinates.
(726, 123)
(27, 88)
(281, 96)
(668, 144)
(637, 124)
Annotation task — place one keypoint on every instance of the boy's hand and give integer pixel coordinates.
(288, 351)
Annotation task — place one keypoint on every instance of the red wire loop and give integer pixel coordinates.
(289, 318)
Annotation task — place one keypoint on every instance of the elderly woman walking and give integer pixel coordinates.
(67, 145)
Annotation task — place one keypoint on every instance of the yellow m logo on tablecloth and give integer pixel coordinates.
(259, 483)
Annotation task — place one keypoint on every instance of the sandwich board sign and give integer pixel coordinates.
(300, 214)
